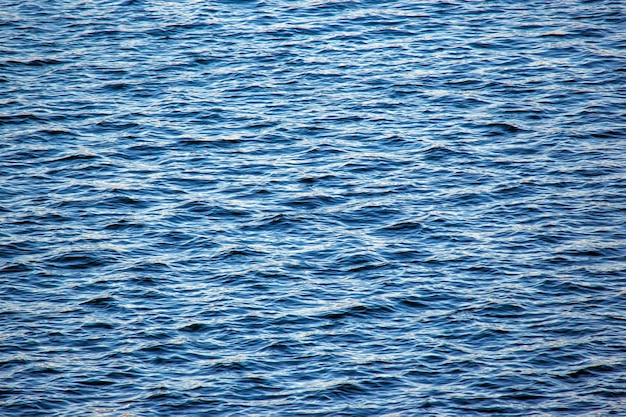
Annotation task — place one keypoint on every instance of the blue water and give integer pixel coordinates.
(314, 207)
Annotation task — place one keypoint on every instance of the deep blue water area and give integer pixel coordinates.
(312, 208)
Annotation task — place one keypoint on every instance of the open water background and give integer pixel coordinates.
(343, 208)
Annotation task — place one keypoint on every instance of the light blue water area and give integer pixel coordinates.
(314, 207)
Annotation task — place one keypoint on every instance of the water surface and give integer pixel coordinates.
(342, 208)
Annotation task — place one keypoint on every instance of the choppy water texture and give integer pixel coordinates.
(342, 208)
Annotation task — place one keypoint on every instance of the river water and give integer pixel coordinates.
(313, 207)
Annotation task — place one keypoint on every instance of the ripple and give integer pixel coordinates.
(318, 207)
